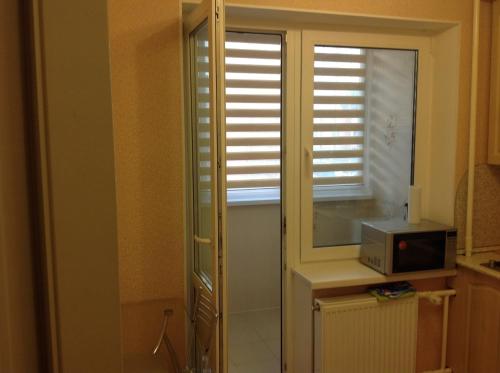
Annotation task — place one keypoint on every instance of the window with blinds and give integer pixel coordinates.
(338, 115)
(253, 111)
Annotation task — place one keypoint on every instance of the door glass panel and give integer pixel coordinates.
(202, 155)
(363, 133)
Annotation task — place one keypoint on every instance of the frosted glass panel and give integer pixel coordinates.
(363, 130)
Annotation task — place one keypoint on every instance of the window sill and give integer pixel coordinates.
(253, 196)
(341, 193)
(272, 196)
(347, 273)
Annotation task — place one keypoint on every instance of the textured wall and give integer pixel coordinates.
(486, 208)
(146, 86)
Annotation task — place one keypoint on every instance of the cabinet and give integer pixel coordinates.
(494, 130)
(475, 324)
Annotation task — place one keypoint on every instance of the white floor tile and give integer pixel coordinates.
(255, 342)
(250, 353)
(267, 323)
(275, 347)
(240, 330)
(266, 367)
(233, 368)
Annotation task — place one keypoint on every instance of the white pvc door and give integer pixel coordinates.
(204, 28)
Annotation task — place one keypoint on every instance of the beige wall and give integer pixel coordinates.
(145, 52)
(146, 87)
(18, 329)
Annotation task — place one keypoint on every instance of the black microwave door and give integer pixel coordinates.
(418, 251)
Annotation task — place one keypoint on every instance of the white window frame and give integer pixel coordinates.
(387, 40)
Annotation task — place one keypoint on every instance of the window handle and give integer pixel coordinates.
(200, 240)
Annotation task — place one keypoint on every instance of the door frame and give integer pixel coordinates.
(289, 116)
(290, 179)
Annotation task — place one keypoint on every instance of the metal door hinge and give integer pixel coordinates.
(284, 225)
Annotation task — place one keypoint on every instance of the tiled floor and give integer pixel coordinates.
(255, 342)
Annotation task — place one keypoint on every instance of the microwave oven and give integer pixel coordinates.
(395, 246)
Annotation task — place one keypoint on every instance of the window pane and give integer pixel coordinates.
(364, 104)
(203, 260)
(253, 112)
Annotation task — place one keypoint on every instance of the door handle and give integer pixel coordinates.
(205, 241)
(308, 161)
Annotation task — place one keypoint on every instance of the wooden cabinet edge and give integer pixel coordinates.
(460, 352)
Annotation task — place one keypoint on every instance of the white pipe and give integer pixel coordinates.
(444, 337)
(472, 129)
(436, 293)
(435, 298)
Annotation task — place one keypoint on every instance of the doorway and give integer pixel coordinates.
(253, 62)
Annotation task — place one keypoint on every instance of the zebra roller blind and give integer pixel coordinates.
(254, 112)
(253, 109)
(338, 115)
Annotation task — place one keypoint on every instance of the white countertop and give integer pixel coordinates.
(474, 262)
(345, 273)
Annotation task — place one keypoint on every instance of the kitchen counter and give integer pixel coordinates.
(474, 262)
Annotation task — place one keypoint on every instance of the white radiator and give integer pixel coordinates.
(357, 334)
